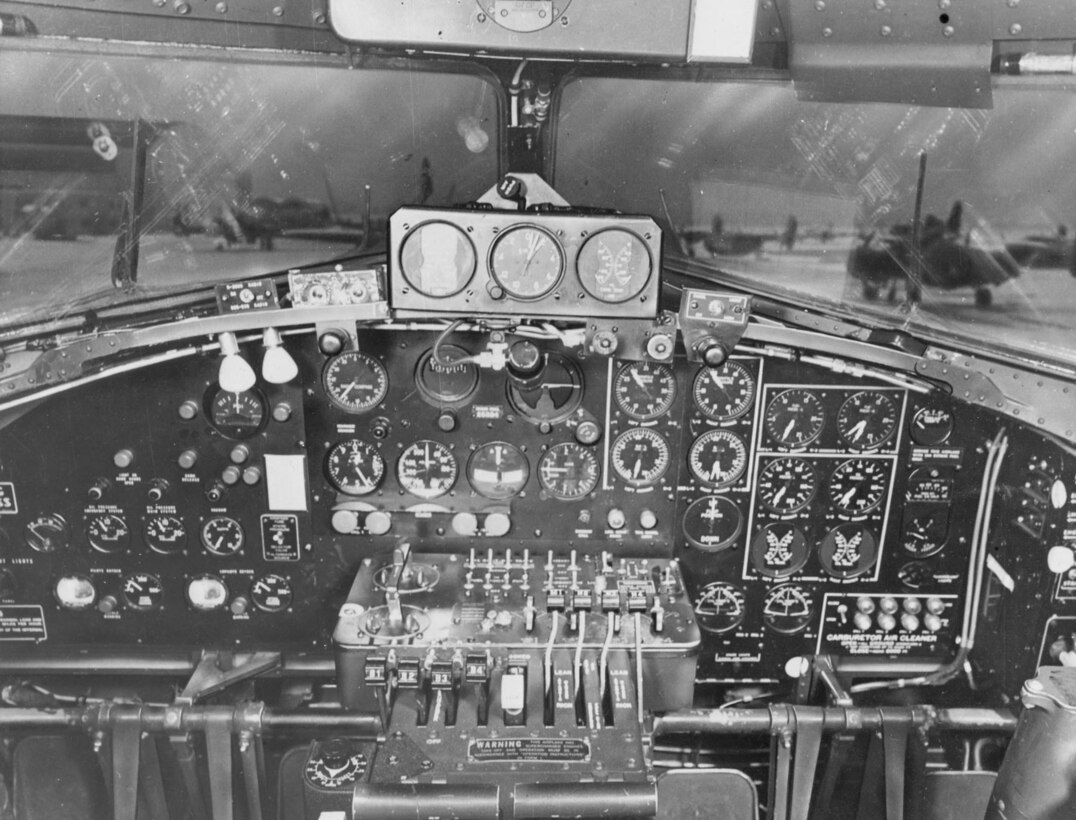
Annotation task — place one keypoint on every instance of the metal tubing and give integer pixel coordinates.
(585, 800)
(425, 801)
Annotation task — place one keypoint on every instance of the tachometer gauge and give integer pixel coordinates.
(427, 469)
(237, 415)
(165, 534)
(787, 485)
(848, 551)
(526, 261)
(222, 536)
(437, 259)
(787, 609)
(858, 485)
(645, 390)
(779, 550)
(271, 593)
(355, 381)
(712, 523)
(142, 591)
(354, 467)
(795, 418)
(717, 458)
(725, 392)
(614, 265)
(867, 419)
(925, 528)
(498, 470)
(932, 426)
(451, 383)
(719, 607)
(640, 456)
(206, 593)
(568, 471)
(107, 533)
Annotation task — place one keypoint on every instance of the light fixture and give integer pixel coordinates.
(278, 366)
(235, 374)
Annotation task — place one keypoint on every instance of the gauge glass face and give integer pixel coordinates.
(778, 550)
(795, 418)
(451, 383)
(427, 469)
(355, 381)
(645, 390)
(271, 593)
(206, 593)
(787, 609)
(437, 259)
(354, 467)
(857, 486)
(555, 397)
(142, 591)
(107, 533)
(614, 265)
(787, 485)
(498, 470)
(718, 458)
(222, 536)
(932, 426)
(640, 456)
(725, 392)
(925, 528)
(237, 415)
(568, 471)
(712, 523)
(848, 551)
(526, 262)
(720, 607)
(165, 534)
(75, 592)
(47, 533)
(867, 419)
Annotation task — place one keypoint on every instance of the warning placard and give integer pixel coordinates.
(22, 623)
(551, 749)
(280, 537)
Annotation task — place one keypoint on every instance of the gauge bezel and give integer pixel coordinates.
(668, 379)
(257, 600)
(740, 409)
(377, 459)
(421, 492)
(552, 453)
(819, 426)
(467, 243)
(777, 590)
(128, 602)
(844, 465)
(800, 505)
(652, 435)
(741, 464)
(481, 488)
(355, 408)
(734, 592)
(429, 394)
(715, 500)
(930, 436)
(231, 432)
(591, 241)
(233, 524)
(181, 542)
(496, 277)
(121, 545)
(797, 539)
(874, 442)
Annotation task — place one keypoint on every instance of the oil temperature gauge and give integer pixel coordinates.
(222, 536)
(719, 607)
(165, 534)
(354, 467)
(723, 393)
(107, 533)
(787, 609)
(427, 469)
(640, 456)
(142, 591)
(645, 390)
(355, 381)
(271, 593)
(568, 471)
(717, 458)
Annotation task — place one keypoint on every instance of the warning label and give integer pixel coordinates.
(22, 623)
(552, 749)
(8, 504)
(280, 537)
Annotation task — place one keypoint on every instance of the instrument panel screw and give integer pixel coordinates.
(948, 31)
(879, 5)
(222, 8)
(319, 17)
(827, 32)
(820, 5)
(183, 8)
(886, 31)
(278, 11)
(1015, 29)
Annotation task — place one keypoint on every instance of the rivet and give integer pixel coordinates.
(158, 3)
(278, 11)
(775, 32)
(944, 4)
(222, 8)
(886, 31)
(182, 8)
(1014, 3)
(1015, 29)
(820, 5)
(319, 17)
(879, 5)
(827, 32)
(948, 31)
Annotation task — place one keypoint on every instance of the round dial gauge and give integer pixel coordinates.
(867, 419)
(848, 550)
(568, 471)
(717, 458)
(932, 426)
(719, 607)
(498, 470)
(552, 398)
(645, 390)
(778, 550)
(857, 486)
(165, 534)
(222, 536)
(614, 265)
(725, 392)
(75, 592)
(640, 456)
(787, 609)
(712, 523)
(355, 382)
(451, 383)
(271, 593)
(335, 765)
(206, 592)
(427, 469)
(107, 533)
(237, 415)
(142, 591)
(926, 526)
(795, 418)
(787, 485)
(437, 259)
(47, 533)
(354, 467)
(526, 261)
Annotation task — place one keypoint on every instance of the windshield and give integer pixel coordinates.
(819, 200)
(250, 168)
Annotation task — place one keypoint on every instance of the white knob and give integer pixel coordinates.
(345, 521)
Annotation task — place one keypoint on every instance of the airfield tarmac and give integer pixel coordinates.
(1035, 312)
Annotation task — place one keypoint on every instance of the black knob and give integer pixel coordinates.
(712, 351)
(447, 421)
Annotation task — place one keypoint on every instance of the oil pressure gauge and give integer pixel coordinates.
(107, 533)
(427, 469)
(165, 534)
